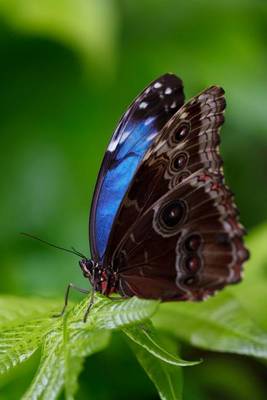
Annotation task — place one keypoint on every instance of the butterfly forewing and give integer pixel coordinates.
(176, 234)
(136, 130)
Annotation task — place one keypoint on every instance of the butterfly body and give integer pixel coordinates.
(163, 224)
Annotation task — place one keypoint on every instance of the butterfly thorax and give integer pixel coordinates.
(103, 280)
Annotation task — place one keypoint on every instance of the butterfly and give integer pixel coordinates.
(163, 224)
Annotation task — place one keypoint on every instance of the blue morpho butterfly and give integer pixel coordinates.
(163, 224)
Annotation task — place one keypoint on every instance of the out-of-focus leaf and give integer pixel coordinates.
(167, 378)
(252, 291)
(222, 375)
(219, 324)
(145, 335)
(87, 26)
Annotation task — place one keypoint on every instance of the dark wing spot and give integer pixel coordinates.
(172, 213)
(182, 131)
(192, 243)
(193, 264)
(179, 161)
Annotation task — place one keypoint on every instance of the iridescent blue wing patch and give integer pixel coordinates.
(135, 132)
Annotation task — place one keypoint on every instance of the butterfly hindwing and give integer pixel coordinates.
(189, 243)
(176, 234)
(136, 130)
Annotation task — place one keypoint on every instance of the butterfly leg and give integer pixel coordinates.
(91, 302)
(70, 286)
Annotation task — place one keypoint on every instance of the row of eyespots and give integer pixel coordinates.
(180, 160)
(191, 244)
(192, 262)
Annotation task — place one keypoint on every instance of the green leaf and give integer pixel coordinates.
(18, 343)
(166, 378)
(82, 344)
(27, 325)
(145, 335)
(62, 360)
(49, 379)
(219, 324)
(23, 323)
(18, 309)
(115, 314)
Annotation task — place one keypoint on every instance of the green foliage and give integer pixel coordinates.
(24, 324)
(220, 324)
(146, 336)
(65, 342)
(168, 380)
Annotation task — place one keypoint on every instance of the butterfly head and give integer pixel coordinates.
(102, 280)
(87, 267)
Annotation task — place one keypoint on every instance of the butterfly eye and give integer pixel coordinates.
(179, 161)
(181, 132)
(172, 214)
(192, 243)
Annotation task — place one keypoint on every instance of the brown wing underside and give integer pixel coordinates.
(177, 234)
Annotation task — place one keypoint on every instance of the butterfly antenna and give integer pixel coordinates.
(78, 252)
(72, 250)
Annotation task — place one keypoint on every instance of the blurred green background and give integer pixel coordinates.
(68, 71)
